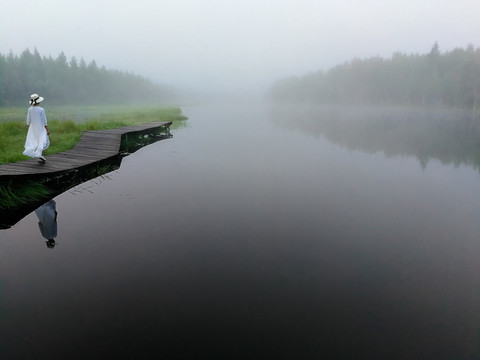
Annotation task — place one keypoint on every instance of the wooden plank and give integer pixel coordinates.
(92, 147)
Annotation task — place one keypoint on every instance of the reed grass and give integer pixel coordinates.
(15, 195)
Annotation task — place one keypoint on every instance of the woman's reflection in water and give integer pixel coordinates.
(47, 216)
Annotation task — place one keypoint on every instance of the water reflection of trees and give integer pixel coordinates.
(33, 193)
(448, 136)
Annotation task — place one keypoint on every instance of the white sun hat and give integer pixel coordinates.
(35, 99)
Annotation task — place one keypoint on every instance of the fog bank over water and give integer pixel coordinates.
(217, 45)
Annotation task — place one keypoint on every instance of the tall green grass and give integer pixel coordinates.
(66, 125)
(15, 195)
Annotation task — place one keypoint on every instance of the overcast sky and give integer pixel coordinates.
(227, 44)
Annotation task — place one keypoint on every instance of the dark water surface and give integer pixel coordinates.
(238, 238)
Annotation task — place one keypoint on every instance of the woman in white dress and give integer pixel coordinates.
(37, 136)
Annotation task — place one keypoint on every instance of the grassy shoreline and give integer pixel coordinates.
(66, 125)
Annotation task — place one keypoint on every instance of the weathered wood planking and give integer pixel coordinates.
(94, 146)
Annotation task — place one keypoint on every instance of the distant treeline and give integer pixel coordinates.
(449, 79)
(66, 82)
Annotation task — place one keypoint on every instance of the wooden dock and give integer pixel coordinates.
(93, 147)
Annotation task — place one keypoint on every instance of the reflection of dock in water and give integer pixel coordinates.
(97, 153)
(93, 147)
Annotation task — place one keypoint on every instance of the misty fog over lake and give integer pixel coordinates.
(338, 218)
(255, 232)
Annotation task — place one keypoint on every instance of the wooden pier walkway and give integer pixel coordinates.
(93, 147)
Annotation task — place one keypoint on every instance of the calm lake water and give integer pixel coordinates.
(243, 238)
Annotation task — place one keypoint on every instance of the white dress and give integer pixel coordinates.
(47, 216)
(37, 138)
